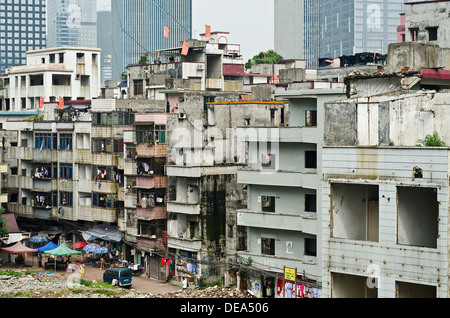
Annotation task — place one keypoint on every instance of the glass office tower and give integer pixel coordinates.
(72, 23)
(138, 28)
(22, 28)
(348, 27)
(313, 29)
(296, 30)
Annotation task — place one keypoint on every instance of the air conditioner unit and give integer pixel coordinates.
(182, 116)
(201, 67)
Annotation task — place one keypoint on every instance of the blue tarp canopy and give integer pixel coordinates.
(50, 246)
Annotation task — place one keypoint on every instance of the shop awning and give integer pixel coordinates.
(102, 232)
(18, 248)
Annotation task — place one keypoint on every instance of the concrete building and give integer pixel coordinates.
(283, 216)
(22, 29)
(138, 28)
(104, 36)
(385, 193)
(425, 22)
(296, 29)
(72, 23)
(358, 26)
(70, 73)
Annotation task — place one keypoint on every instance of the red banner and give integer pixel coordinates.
(207, 31)
(166, 32)
(41, 103)
(61, 103)
(185, 48)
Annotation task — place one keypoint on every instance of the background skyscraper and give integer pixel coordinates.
(104, 42)
(296, 29)
(72, 23)
(22, 28)
(138, 27)
(313, 29)
(358, 26)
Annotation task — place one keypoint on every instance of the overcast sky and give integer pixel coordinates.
(250, 22)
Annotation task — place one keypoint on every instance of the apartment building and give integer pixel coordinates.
(385, 192)
(282, 219)
(69, 73)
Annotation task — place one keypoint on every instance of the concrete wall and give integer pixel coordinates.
(391, 257)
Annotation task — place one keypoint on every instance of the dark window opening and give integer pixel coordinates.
(267, 204)
(310, 247)
(311, 159)
(267, 246)
(432, 33)
(310, 203)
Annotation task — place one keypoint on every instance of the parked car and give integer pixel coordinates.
(118, 277)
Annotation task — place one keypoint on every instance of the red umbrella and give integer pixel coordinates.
(79, 245)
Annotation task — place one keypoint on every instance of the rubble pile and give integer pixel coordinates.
(210, 292)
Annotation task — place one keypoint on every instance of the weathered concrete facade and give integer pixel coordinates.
(385, 200)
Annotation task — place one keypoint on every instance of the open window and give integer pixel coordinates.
(268, 161)
(311, 159)
(267, 246)
(418, 212)
(268, 204)
(355, 211)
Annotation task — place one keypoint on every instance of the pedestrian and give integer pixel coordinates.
(40, 259)
(82, 272)
(185, 284)
(102, 263)
(289, 287)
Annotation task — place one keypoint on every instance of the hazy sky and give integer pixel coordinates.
(250, 22)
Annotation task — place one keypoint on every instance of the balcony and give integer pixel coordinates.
(21, 210)
(214, 83)
(305, 223)
(158, 182)
(61, 90)
(83, 156)
(156, 213)
(185, 208)
(108, 187)
(151, 243)
(307, 180)
(151, 151)
(188, 172)
(45, 155)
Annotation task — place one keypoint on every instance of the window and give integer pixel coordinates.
(267, 246)
(160, 134)
(311, 159)
(311, 118)
(268, 161)
(413, 32)
(138, 87)
(310, 203)
(432, 33)
(310, 247)
(66, 198)
(65, 171)
(65, 142)
(45, 141)
(102, 200)
(268, 204)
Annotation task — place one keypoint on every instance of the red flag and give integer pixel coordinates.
(61, 103)
(166, 32)
(185, 48)
(41, 103)
(208, 31)
(265, 56)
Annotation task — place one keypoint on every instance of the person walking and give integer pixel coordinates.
(185, 284)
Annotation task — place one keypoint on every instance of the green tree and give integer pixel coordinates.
(3, 229)
(432, 141)
(269, 57)
(124, 76)
(144, 59)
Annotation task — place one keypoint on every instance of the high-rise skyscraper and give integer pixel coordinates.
(358, 26)
(313, 29)
(296, 30)
(104, 42)
(22, 28)
(72, 23)
(138, 28)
